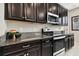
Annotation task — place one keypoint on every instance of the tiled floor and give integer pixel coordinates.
(74, 51)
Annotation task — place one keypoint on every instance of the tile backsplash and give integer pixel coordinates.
(30, 26)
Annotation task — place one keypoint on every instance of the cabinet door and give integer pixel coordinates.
(63, 15)
(20, 53)
(72, 40)
(46, 48)
(30, 11)
(60, 10)
(41, 12)
(34, 51)
(66, 44)
(15, 11)
(53, 8)
(1, 51)
(65, 18)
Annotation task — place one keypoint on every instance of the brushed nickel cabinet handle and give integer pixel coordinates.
(26, 46)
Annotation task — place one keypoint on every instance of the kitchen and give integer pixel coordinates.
(38, 29)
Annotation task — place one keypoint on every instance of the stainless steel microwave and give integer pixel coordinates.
(53, 18)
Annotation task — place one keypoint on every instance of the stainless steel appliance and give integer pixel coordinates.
(58, 41)
(59, 46)
(52, 18)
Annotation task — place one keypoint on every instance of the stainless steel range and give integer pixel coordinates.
(59, 46)
(58, 42)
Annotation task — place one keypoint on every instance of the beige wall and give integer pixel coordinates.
(74, 12)
(2, 22)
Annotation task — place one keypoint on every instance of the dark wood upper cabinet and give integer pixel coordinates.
(63, 15)
(62, 11)
(35, 12)
(41, 12)
(15, 11)
(53, 8)
(30, 11)
(65, 18)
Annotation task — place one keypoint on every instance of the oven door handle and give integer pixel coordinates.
(58, 52)
(60, 37)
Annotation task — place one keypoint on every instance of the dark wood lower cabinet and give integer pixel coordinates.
(32, 48)
(42, 47)
(20, 53)
(35, 51)
(47, 48)
(69, 42)
(66, 44)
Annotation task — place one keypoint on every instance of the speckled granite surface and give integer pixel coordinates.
(25, 37)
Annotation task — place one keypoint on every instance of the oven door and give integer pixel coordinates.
(58, 45)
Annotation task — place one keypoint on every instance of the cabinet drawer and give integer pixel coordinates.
(13, 48)
(19, 47)
(18, 53)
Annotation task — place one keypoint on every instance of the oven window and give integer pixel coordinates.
(58, 45)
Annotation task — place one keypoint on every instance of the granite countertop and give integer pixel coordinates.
(11, 42)
(4, 42)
